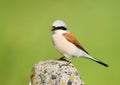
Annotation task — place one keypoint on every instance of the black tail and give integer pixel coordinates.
(96, 60)
(102, 63)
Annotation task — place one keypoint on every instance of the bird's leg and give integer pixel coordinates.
(68, 62)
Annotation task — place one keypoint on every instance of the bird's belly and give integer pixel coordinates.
(65, 47)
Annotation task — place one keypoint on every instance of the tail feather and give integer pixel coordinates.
(102, 63)
(97, 60)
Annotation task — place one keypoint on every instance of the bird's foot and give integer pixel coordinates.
(66, 64)
(62, 58)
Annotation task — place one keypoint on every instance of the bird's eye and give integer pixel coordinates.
(58, 28)
(62, 28)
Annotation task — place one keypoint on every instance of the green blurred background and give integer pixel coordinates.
(25, 37)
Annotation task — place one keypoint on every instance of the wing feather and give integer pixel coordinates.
(74, 41)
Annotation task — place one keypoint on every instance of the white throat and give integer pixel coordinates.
(60, 31)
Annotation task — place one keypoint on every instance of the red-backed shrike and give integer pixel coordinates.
(67, 44)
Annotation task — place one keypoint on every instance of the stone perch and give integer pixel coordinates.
(55, 72)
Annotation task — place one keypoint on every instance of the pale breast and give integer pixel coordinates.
(64, 46)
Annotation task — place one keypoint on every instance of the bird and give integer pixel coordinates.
(65, 43)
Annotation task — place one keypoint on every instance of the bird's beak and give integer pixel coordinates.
(53, 28)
